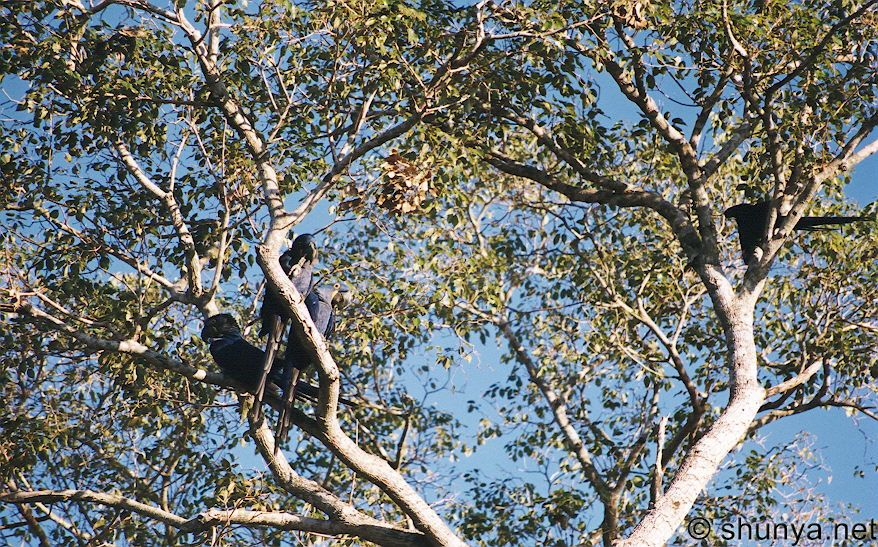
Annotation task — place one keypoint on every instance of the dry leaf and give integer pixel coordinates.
(406, 185)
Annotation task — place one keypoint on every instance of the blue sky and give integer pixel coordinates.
(844, 444)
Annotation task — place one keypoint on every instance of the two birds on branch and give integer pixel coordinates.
(257, 369)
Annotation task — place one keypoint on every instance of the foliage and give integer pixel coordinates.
(480, 164)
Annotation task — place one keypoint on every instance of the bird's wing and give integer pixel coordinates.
(324, 318)
(330, 328)
(266, 312)
(240, 359)
(312, 392)
(749, 234)
(312, 302)
(296, 356)
(302, 280)
(751, 219)
(271, 306)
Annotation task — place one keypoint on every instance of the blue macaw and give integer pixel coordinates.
(751, 219)
(243, 361)
(321, 304)
(302, 254)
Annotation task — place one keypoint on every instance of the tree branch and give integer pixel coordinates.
(193, 261)
(677, 141)
(795, 381)
(129, 347)
(378, 533)
(816, 50)
(629, 197)
(728, 148)
(559, 411)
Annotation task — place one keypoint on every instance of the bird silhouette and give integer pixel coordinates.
(304, 251)
(752, 219)
(243, 361)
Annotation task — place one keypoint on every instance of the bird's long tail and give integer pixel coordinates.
(311, 393)
(283, 421)
(826, 223)
(295, 389)
(274, 336)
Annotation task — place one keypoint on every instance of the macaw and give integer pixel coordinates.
(243, 361)
(298, 262)
(751, 219)
(321, 303)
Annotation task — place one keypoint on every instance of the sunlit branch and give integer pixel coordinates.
(218, 517)
(193, 261)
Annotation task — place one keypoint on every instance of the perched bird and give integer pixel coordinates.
(298, 263)
(752, 218)
(243, 361)
(235, 356)
(321, 303)
(304, 251)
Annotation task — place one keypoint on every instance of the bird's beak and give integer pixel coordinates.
(311, 254)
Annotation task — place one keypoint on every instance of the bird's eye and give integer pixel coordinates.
(337, 285)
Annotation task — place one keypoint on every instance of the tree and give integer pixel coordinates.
(158, 156)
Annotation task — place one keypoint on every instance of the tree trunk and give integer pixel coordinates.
(702, 462)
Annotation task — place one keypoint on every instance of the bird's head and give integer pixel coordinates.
(734, 212)
(304, 247)
(758, 209)
(217, 326)
(340, 295)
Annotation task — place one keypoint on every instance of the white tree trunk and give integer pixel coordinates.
(702, 462)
